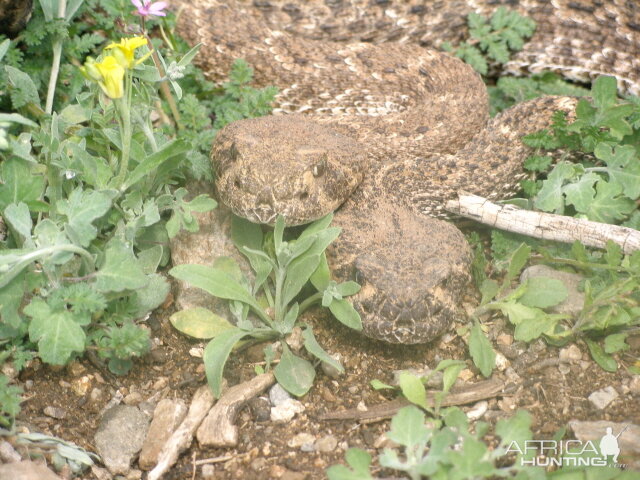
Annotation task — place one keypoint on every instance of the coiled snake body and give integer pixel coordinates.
(390, 130)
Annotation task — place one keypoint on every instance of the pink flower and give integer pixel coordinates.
(146, 8)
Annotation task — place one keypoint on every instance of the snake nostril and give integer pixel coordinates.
(304, 196)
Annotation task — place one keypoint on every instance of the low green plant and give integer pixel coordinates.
(9, 401)
(90, 194)
(281, 268)
(492, 39)
(449, 448)
(605, 185)
(413, 388)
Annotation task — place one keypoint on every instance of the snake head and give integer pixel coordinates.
(284, 165)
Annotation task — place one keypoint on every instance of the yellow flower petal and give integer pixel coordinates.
(127, 47)
(112, 72)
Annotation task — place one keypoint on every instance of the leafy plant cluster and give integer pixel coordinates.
(449, 448)
(605, 185)
(493, 39)
(90, 194)
(268, 308)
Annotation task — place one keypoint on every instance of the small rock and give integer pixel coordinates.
(326, 444)
(208, 471)
(504, 339)
(134, 398)
(76, 369)
(134, 475)
(260, 408)
(571, 353)
(295, 339)
(501, 362)
(302, 439)
(328, 396)
(167, 415)
(289, 475)
(512, 375)
(161, 383)
(286, 411)
(361, 406)
(478, 410)
(353, 389)
(329, 370)
(8, 454)
(101, 473)
(81, 386)
(634, 385)
(603, 397)
(196, 352)
(574, 302)
(160, 355)
(629, 441)
(258, 463)
(96, 395)
(55, 412)
(9, 370)
(384, 442)
(26, 470)
(278, 395)
(276, 471)
(466, 375)
(120, 437)
(564, 369)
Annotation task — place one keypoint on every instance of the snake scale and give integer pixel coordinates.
(374, 121)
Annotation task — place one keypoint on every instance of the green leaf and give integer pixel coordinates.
(317, 226)
(482, 353)
(515, 429)
(57, 334)
(580, 193)
(609, 205)
(200, 323)
(450, 375)
(278, 232)
(245, 233)
(488, 289)
(550, 197)
(293, 373)
(346, 314)
(604, 91)
(153, 161)
(615, 343)
(531, 328)
(4, 46)
(517, 262)
(543, 292)
(152, 295)
(470, 461)
(26, 90)
(408, 428)
(321, 278)
(214, 281)
(623, 167)
(298, 274)
(15, 117)
(19, 184)
(120, 270)
(150, 259)
(82, 208)
(413, 389)
(538, 163)
(347, 289)
(216, 354)
(607, 362)
(379, 385)
(359, 461)
(314, 348)
(19, 219)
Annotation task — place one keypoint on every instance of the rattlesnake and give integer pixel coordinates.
(395, 130)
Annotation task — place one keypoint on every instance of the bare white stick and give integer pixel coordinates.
(544, 225)
(182, 437)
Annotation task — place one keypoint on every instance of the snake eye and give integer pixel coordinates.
(319, 168)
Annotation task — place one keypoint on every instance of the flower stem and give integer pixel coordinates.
(123, 104)
(55, 66)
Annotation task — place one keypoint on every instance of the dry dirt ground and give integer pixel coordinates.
(554, 394)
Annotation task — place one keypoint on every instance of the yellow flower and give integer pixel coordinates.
(124, 51)
(112, 77)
